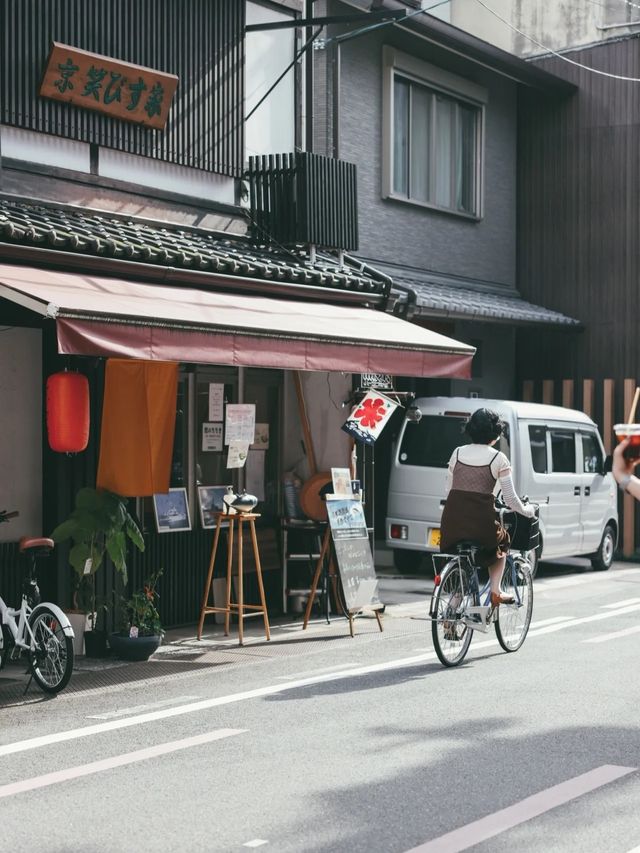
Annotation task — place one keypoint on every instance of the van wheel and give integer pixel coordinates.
(602, 559)
(407, 561)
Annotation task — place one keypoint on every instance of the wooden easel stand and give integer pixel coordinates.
(238, 520)
(325, 552)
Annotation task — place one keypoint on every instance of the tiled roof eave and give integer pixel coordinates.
(543, 316)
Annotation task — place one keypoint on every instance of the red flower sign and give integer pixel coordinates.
(371, 412)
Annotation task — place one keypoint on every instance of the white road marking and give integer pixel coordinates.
(622, 603)
(333, 668)
(499, 822)
(123, 712)
(635, 850)
(550, 629)
(602, 638)
(270, 690)
(554, 620)
(257, 842)
(115, 761)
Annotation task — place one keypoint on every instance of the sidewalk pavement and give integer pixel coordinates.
(182, 655)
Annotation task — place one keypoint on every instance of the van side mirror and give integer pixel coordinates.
(608, 465)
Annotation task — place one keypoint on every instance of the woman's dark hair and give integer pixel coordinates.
(483, 426)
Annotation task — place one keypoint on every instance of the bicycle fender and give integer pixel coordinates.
(59, 614)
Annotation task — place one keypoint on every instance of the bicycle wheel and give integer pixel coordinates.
(52, 660)
(451, 636)
(513, 620)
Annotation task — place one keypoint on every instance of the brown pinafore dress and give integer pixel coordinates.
(469, 513)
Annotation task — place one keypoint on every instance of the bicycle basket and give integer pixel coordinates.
(524, 532)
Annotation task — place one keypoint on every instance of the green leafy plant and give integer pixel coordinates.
(140, 617)
(99, 524)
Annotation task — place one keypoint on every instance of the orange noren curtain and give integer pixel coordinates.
(138, 425)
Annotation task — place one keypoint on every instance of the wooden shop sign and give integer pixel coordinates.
(118, 89)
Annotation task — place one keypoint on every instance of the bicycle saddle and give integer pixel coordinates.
(26, 544)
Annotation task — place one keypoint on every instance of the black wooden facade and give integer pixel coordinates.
(202, 42)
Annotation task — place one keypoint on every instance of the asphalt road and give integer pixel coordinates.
(353, 745)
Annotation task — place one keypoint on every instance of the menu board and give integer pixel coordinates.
(353, 553)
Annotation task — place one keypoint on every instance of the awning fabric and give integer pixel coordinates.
(115, 318)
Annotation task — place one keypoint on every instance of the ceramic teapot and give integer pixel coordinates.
(242, 502)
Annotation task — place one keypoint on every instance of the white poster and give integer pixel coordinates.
(216, 402)
(261, 439)
(237, 456)
(254, 481)
(240, 424)
(211, 437)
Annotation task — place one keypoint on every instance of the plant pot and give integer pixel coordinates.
(95, 644)
(134, 648)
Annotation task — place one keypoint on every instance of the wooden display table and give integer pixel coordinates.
(236, 521)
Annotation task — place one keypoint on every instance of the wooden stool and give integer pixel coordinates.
(238, 520)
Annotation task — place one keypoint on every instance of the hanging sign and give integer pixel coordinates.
(118, 89)
(211, 437)
(369, 417)
(216, 402)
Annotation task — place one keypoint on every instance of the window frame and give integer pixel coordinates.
(396, 63)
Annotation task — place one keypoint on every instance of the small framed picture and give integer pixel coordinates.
(210, 501)
(172, 511)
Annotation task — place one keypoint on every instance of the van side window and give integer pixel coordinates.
(592, 459)
(563, 451)
(538, 442)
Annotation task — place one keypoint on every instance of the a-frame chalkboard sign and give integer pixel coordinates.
(346, 544)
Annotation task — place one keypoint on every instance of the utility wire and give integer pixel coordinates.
(555, 52)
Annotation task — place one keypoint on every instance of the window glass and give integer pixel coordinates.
(401, 136)
(538, 444)
(431, 441)
(435, 147)
(563, 451)
(592, 459)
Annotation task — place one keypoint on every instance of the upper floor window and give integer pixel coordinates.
(434, 136)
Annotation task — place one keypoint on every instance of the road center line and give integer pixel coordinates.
(500, 821)
(602, 638)
(270, 690)
(123, 712)
(115, 761)
(622, 603)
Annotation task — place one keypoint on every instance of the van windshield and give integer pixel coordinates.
(431, 441)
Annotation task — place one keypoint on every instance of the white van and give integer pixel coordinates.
(558, 461)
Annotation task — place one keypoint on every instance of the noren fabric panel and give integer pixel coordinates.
(138, 425)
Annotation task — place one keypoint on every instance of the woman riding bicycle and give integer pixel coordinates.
(469, 513)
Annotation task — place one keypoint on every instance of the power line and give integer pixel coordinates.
(555, 52)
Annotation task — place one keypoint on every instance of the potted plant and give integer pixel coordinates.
(141, 632)
(100, 524)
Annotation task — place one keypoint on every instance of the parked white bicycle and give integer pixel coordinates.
(38, 629)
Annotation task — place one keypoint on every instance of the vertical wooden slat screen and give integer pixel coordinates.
(587, 396)
(527, 391)
(547, 391)
(201, 41)
(628, 503)
(607, 413)
(567, 393)
(304, 198)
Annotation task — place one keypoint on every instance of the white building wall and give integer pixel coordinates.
(21, 431)
(553, 24)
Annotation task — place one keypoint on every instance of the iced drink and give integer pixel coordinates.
(631, 431)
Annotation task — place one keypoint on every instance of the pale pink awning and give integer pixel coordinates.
(111, 317)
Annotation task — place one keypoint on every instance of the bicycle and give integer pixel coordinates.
(39, 629)
(459, 606)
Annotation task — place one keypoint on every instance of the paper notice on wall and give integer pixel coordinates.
(237, 456)
(216, 402)
(261, 439)
(254, 480)
(240, 423)
(211, 437)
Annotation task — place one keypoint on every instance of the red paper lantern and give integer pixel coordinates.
(68, 412)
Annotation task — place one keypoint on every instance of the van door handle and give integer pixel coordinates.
(587, 490)
(576, 490)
